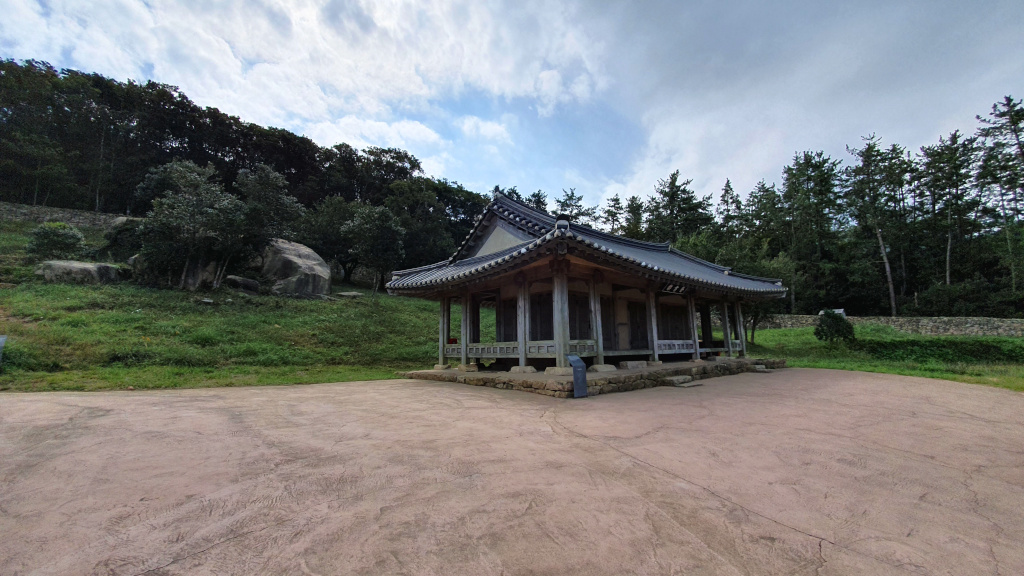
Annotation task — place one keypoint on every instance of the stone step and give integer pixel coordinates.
(682, 381)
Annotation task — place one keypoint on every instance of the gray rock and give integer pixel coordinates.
(682, 381)
(120, 222)
(70, 271)
(522, 370)
(633, 364)
(559, 370)
(602, 368)
(349, 294)
(242, 283)
(441, 367)
(468, 368)
(296, 268)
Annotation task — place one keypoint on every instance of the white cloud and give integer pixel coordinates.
(474, 127)
(359, 132)
(285, 63)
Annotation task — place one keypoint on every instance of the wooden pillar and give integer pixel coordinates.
(464, 327)
(743, 333)
(595, 318)
(523, 319)
(706, 332)
(474, 324)
(652, 320)
(694, 326)
(725, 328)
(444, 328)
(560, 311)
(499, 328)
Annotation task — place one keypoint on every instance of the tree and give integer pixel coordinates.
(1003, 130)
(812, 217)
(571, 204)
(871, 187)
(730, 211)
(378, 240)
(633, 225)
(676, 211)
(268, 212)
(538, 201)
(613, 214)
(324, 230)
(189, 220)
(946, 175)
(1002, 169)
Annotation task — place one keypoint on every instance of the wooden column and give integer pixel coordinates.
(652, 320)
(595, 315)
(444, 328)
(743, 333)
(706, 332)
(694, 326)
(523, 318)
(560, 311)
(464, 327)
(499, 328)
(726, 328)
(474, 324)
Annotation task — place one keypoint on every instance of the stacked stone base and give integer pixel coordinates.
(602, 382)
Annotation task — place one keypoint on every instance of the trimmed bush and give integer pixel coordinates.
(832, 327)
(55, 240)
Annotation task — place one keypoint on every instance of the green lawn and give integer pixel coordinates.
(67, 337)
(977, 360)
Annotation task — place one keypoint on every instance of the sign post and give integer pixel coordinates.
(579, 377)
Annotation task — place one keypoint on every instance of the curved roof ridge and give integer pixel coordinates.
(693, 258)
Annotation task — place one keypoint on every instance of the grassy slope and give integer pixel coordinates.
(977, 360)
(66, 337)
(94, 337)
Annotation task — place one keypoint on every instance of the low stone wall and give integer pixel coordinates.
(78, 218)
(930, 326)
(599, 382)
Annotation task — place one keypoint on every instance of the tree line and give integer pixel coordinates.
(884, 230)
(78, 140)
(933, 232)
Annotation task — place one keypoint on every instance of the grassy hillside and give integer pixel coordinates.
(979, 360)
(93, 337)
(65, 337)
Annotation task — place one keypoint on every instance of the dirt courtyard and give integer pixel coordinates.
(792, 472)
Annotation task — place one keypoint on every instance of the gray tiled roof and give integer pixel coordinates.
(659, 260)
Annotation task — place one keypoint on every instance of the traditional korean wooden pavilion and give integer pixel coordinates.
(560, 288)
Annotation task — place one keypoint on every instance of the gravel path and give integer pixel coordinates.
(792, 472)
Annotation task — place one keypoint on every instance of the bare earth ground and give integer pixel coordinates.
(793, 472)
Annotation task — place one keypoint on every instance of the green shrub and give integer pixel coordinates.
(55, 240)
(832, 327)
(945, 349)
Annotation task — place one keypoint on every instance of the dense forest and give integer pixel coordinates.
(883, 230)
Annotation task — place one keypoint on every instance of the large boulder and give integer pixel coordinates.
(71, 271)
(296, 268)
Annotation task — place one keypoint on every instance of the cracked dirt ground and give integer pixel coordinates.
(793, 472)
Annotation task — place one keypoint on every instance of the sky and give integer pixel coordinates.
(603, 97)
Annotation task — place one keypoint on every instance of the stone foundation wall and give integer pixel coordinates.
(78, 218)
(599, 382)
(930, 326)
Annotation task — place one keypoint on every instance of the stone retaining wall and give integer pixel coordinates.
(78, 218)
(599, 382)
(930, 326)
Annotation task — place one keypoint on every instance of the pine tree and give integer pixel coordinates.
(613, 215)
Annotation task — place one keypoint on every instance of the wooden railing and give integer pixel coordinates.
(675, 346)
(484, 350)
(534, 349)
